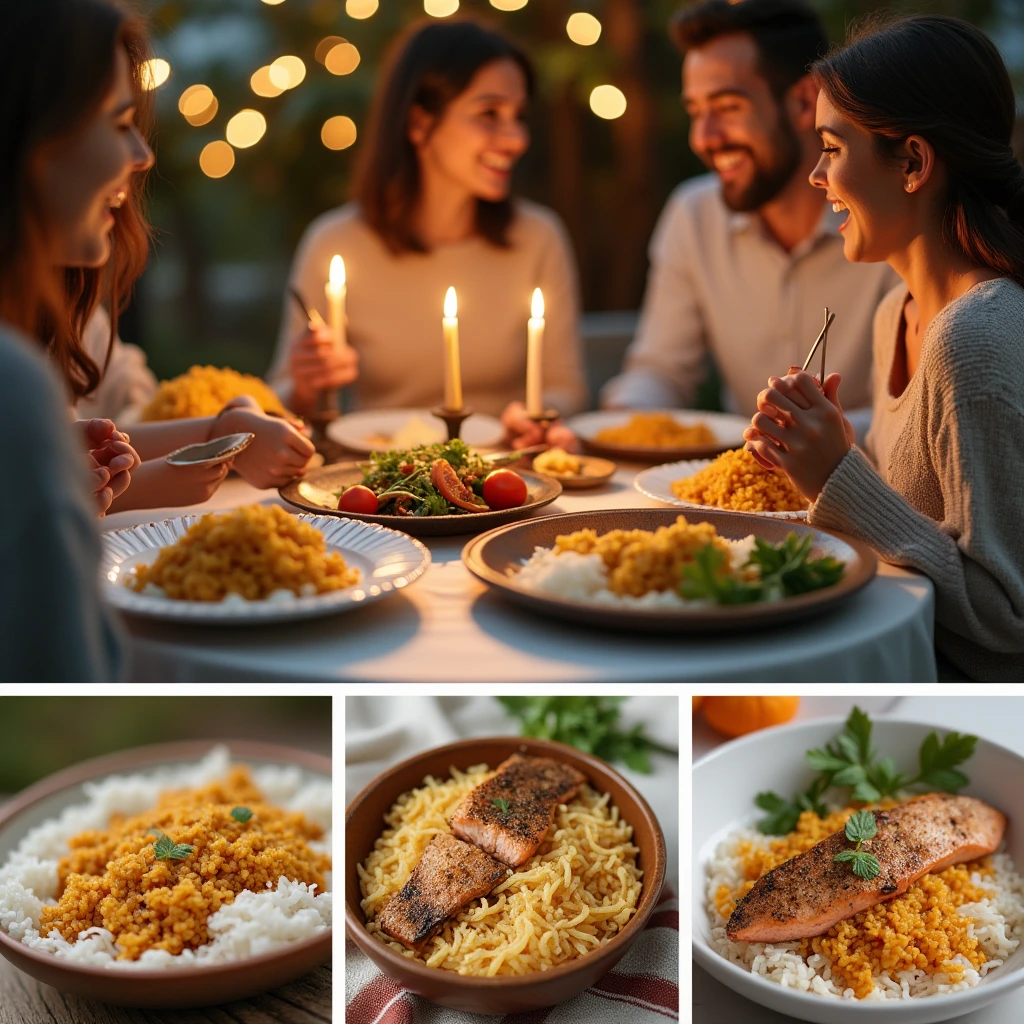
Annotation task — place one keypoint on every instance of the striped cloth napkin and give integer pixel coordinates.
(642, 988)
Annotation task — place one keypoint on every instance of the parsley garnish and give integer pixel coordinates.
(850, 761)
(586, 723)
(859, 828)
(501, 804)
(242, 814)
(166, 849)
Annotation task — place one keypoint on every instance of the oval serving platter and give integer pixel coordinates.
(318, 488)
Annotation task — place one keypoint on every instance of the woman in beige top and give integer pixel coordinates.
(433, 210)
(915, 119)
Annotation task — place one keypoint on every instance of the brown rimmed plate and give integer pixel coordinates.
(496, 556)
(316, 489)
(593, 472)
(364, 822)
(178, 987)
(727, 428)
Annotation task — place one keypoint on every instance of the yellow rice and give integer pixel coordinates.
(657, 430)
(204, 391)
(737, 481)
(575, 893)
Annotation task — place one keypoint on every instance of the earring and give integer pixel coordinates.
(910, 186)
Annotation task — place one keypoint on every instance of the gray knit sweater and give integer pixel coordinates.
(947, 496)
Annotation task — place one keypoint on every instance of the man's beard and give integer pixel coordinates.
(769, 179)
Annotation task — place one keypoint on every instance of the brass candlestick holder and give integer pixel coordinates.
(453, 418)
(545, 419)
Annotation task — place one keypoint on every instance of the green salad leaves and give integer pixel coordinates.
(851, 762)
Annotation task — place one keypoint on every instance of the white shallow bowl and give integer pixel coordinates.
(724, 786)
(387, 561)
(656, 483)
(357, 430)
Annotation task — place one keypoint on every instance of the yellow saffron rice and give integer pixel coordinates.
(657, 430)
(737, 481)
(575, 893)
(204, 391)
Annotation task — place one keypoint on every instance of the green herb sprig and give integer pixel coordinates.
(166, 849)
(586, 723)
(242, 814)
(501, 804)
(850, 761)
(860, 827)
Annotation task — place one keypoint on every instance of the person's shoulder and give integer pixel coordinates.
(342, 224)
(29, 389)
(698, 198)
(532, 220)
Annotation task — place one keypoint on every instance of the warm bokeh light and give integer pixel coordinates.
(153, 73)
(343, 59)
(608, 102)
(325, 46)
(583, 29)
(537, 304)
(217, 159)
(198, 105)
(246, 128)
(338, 132)
(263, 83)
(451, 304)
(509, 5)
(273, 3)
(337, 273)
(291, 67)
(360, 9)
(440, 8)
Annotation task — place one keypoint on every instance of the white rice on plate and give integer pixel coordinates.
(998, 925)
(254, 923)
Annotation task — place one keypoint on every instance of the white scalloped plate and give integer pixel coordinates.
(656, 483)
(387, 561)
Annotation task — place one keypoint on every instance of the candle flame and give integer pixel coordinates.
(537, 304)
(337, 274)
(451, 304)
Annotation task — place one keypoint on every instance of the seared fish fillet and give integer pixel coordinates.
(805, 896)
(531, 788)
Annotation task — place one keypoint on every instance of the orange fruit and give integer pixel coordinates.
(736, 716)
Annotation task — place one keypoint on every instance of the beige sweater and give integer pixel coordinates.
(395, 305)
(948, 492)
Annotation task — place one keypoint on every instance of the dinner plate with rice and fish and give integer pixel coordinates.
(734, 482)
(654, 435)
(660, 570)
(874, 877)
(179, 875)
(256, 564)
(500, 875)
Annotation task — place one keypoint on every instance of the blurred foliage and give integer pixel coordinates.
(608, 180)
(41, 735)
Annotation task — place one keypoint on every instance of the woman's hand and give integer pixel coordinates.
(522, 432)
(278, 453)
(112, 460)
(189, 485)
(800, 428)
(318, 362)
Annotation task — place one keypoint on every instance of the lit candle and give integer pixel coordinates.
(452, 374)
(534, 356)
(335, 290)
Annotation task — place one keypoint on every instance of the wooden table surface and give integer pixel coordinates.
(23, 1000)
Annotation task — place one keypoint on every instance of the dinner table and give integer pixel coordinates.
(449, 627)
(994, 718)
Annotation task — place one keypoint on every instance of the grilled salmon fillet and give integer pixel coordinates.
(449, 875)
(805, 896)
(510, 814)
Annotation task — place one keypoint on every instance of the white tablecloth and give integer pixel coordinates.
(994, 718)
(447, 627)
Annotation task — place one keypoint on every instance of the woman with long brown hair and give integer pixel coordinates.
(433, 208)
(915, 118)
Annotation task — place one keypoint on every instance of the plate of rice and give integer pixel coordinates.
(627, 569)
(653, 435)
(381, 429)
(949, 944)
(551, 928)
(255, 564)
(734, 482)
(185, 874)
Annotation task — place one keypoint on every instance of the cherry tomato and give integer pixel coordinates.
(504, 489)
(452, 489)
(358, 499)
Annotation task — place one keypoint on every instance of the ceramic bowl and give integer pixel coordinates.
(178, 987)
(724, 785)
(364, 821)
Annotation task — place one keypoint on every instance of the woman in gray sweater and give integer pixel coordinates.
(915, 118)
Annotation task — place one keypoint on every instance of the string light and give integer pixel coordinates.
(509, 5)
(153, 73)
(608, 102)
(198, 105)
(273, 3)
(246, 128)
(360, 9)
(325, 46)
(217, 159)
(440, 8)
(263, 83)
(342, 59)
(287, 72)
(583, 29)
(338, 132)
